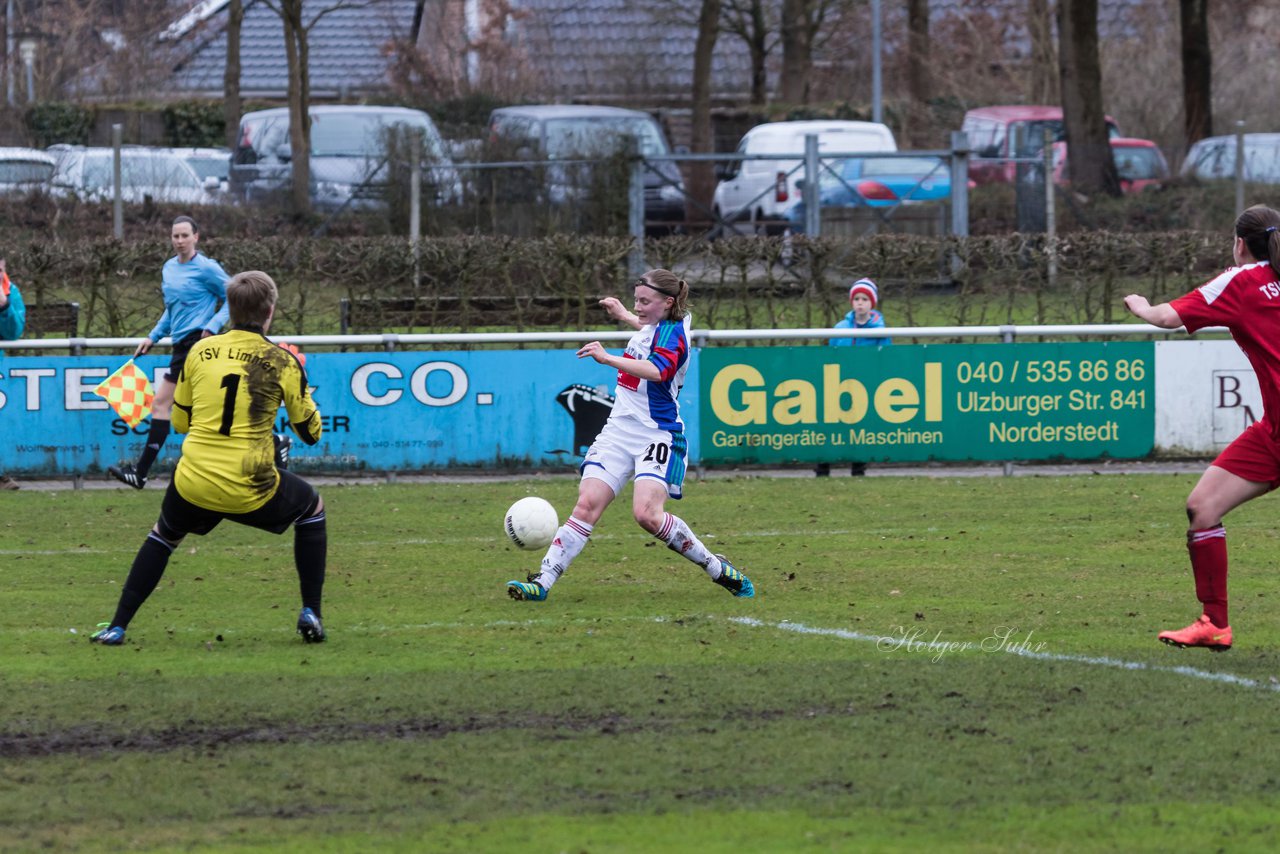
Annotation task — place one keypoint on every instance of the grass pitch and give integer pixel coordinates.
(930, 664)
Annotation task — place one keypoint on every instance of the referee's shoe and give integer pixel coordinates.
(309, 626)
(127, 474)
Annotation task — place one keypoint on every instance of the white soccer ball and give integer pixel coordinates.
(531, 523)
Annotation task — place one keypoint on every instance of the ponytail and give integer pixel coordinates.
(1273, 248)
(1259, 228)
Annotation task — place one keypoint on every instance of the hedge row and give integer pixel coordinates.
(187, 124)
(739, 282)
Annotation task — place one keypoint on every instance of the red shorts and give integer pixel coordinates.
(1254, 455)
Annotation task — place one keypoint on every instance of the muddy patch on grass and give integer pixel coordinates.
(90, 740)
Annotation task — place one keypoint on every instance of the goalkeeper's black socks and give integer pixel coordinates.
(310, 547)
(155, 441)
(144, 575)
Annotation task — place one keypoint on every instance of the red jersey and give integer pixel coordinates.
(1246, 300)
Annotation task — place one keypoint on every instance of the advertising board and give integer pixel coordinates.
(927, 402)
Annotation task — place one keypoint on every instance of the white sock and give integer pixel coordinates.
(570, 540)
(676, 534)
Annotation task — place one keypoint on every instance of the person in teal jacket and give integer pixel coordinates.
(864, 298)
(13, 311)
(13, 320)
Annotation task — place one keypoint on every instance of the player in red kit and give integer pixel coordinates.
(1245, 299)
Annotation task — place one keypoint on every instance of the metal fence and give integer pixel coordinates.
(643, 195)
(389, 342)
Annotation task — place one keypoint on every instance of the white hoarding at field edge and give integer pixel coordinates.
(1206, 394)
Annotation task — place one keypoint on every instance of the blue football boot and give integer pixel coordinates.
(526, 591)
(732, 579)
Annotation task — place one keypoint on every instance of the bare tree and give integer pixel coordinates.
(751, 21)
(297, 29)
(970, 62)
(797, 50)
(754, 22)
(799, 25)
(1196, 69)
(231, 74)
(1093, 169)
(297, 60)
(465, 49)
(91, 47)
(1044, 75)
(918, 85)
(701, 182)
(805, 27)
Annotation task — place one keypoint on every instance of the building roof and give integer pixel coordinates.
(1117, 19)
(594, 50)
(607, 49)
(348, 47)
(601, 49)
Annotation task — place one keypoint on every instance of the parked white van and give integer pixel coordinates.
(758, 191)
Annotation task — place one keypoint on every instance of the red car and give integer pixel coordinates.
(1139, 162)
(1013, 130)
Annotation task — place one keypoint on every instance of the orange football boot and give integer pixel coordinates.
(1200, 633)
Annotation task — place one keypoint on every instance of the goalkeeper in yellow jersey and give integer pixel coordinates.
(226, 399)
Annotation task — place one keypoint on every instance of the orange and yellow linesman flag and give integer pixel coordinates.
(129, 392)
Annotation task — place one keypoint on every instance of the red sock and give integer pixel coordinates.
(1208, 550)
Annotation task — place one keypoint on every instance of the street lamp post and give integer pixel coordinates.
(27, 50)
(8, 50)
(877, 46)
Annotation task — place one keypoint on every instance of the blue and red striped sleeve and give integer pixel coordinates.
(670, 348)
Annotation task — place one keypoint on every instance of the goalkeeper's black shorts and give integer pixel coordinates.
(294, 499)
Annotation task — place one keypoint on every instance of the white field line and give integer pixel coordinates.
(940, 648)
(935, 649)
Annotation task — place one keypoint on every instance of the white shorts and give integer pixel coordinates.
(626, 450)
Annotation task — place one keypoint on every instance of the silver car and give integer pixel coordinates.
(25, 170)
(1214, 157)
(568, 138)
(87, 174)
(349, 154)
(211, 165)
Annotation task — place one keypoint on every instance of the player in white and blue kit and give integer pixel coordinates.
(643, 441)
(195, 294)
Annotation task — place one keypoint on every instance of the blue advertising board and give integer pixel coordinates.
(404, 411)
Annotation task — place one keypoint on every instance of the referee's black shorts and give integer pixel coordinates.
(180, 351)
(293, 498)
